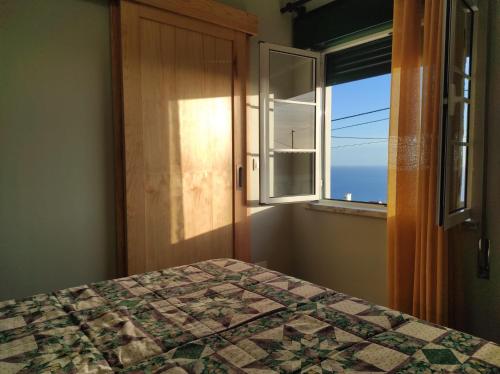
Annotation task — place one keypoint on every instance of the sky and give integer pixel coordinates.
(358, 97)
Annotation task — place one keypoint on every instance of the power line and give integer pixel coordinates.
(360, 124)
(277, 141)
(358, 144)
(354, 137)
(360, 114)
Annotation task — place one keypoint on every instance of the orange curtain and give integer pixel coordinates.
(417, 247)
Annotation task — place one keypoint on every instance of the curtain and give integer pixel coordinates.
(417, 247)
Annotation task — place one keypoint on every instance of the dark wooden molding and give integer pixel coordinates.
(117, 92)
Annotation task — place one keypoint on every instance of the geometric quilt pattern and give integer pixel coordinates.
(225, 316)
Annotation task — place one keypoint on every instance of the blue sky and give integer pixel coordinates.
(353, 98)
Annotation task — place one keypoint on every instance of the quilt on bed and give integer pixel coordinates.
(225, 316)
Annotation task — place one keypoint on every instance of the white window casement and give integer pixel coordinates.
(295, 132)
(462, 136)
(291, 117)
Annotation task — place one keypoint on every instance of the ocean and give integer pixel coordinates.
(365, 183)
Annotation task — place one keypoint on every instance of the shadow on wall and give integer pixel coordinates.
(197, 244)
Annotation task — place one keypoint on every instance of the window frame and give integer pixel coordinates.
(474, 158)
(265, 149)
(325, 196)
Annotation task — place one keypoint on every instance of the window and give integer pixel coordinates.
(290, 136)
(294, 130)
(357, 106)
(338, 149)
(458, 116)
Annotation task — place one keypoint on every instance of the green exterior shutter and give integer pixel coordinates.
(359, 62)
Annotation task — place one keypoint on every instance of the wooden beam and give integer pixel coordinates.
(209, 11)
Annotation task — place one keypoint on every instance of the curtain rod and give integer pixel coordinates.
(295, 6)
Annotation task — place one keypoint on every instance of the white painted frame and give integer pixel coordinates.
(326, 198)
(447, 218)
(265, 104)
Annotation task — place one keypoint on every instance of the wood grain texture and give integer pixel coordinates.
(134, 153)
(183, 93)
(209, 11)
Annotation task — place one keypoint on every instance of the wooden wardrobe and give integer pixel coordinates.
(179, 81)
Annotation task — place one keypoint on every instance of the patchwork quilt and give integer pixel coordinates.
(225, 316)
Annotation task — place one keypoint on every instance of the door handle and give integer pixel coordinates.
(239, 177)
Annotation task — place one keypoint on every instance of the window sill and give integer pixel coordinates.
(355, 209)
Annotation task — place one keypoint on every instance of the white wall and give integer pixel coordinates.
(57, 224)
(344, 252)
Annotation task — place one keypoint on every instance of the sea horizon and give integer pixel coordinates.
(364, 183)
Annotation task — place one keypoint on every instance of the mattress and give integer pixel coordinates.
(225, 316)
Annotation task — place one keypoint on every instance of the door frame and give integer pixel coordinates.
(237, 26)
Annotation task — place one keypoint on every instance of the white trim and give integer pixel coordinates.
(327, 142)
(445, 215)
(291, 199)
(294, 102)
(289, 50)
(263, 110)
(291, 150)
(350, 208)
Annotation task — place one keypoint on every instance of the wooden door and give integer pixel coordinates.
(182, 131)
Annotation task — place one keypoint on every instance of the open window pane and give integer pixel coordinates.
(292, 174)
(455, 199)
(290, 111)
(294, 126)
(291, 77)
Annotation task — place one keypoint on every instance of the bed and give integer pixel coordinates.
(225, 316)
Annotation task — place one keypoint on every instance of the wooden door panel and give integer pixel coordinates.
(178, 120)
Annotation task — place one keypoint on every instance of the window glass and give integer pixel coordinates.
(359, 139)
(291, 77)
(460, 123)
(294, 126)
(292, 174)
(459, 178)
